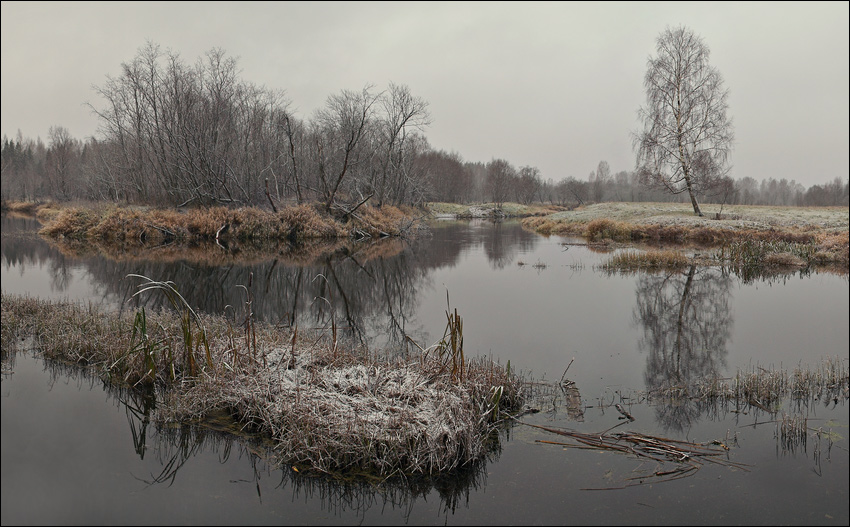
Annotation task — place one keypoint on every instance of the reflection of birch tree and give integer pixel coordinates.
(686, 323)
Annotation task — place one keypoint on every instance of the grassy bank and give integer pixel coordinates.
(745, 235)
(131, 225)
(326, 406)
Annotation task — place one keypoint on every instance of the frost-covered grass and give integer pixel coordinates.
(352, 414)
(736, 217)
(324, 405)
(818, 235)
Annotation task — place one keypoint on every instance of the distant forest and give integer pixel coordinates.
(174, 134)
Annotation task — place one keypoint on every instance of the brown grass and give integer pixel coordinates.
(392, 221)
(547, 226)
(792, 241)
(832, 247)
(21, 207)
(134, 225)
(652, 259)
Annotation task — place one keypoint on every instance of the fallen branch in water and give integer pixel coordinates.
(688, 456)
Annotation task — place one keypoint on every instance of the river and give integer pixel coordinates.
(76, 452)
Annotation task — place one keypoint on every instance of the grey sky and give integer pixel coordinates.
(552, 85)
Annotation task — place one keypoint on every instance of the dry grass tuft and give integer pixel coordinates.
(652, 259)
(20, 207)
(832, 247)
(548, 226)
(72, 223)
(305, 221)
(601, 229)
(344, 413)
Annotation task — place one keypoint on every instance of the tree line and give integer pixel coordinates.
(178, 134)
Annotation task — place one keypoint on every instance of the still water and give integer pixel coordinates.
(76, 452)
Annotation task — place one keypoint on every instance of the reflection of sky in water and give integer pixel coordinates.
(539, 318)
(38, 280)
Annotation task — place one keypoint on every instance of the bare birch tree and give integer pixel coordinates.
(687, 136)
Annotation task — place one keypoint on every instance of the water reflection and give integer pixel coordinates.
(21, 249)
(501, 245)
(681, 322)
(171, 450)
(686, 320)
(369, 289)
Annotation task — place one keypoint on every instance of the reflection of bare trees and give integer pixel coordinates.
(20, 246)
(368, 289)
(686, 323)
(503, 242)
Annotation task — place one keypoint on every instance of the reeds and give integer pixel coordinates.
(773, 253)
(652, 259)
(791, 432)
(192, 331)
(765, 389)
(452, 349)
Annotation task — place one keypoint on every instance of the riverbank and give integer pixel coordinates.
(753, 236)
(139, 225)
(796, 236)
(327, 406)
(489, 210)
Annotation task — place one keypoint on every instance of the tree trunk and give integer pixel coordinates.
(694, 202)
(693, 198)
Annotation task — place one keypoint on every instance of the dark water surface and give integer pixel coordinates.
(74, 452)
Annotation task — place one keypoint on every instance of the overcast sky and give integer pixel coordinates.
(552, 85)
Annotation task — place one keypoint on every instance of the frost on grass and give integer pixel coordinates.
(324, 406)
(347, 414)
